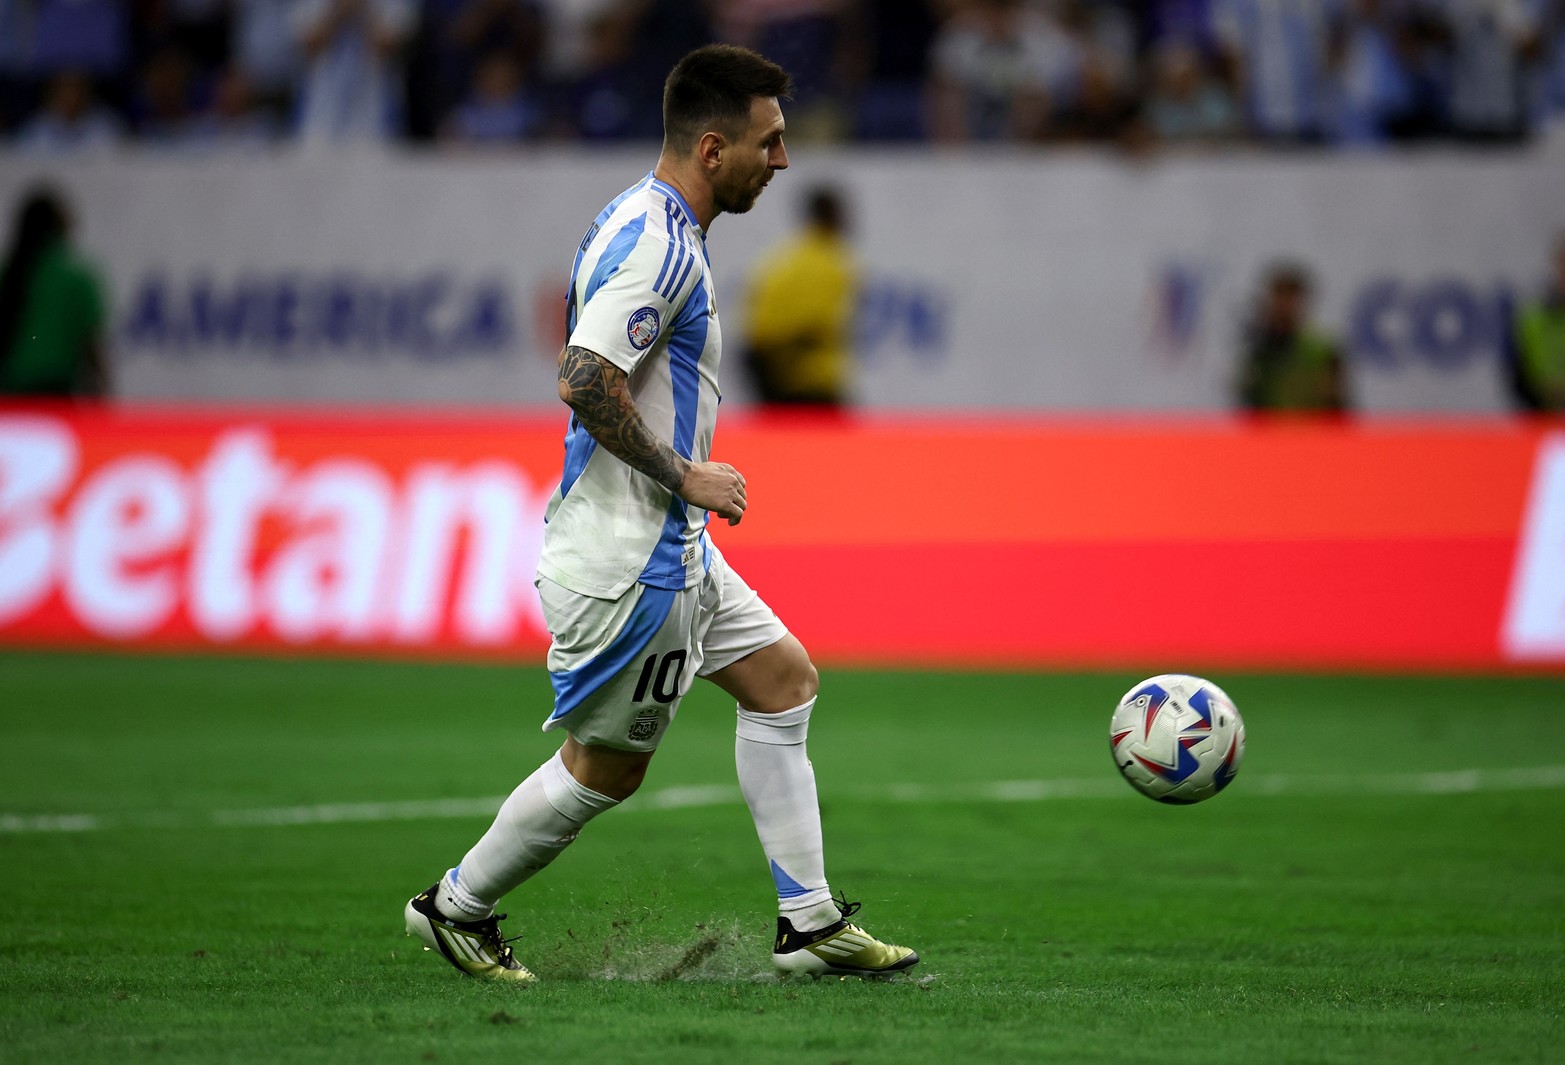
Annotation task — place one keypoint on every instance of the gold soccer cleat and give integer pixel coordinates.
(841, 949)
(474, 947)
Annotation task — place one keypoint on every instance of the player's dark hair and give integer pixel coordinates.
(712, 87)
(41, 220)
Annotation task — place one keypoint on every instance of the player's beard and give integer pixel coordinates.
(738, 200)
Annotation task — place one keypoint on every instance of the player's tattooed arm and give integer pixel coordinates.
(599, 393)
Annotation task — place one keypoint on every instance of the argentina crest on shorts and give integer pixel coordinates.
(642, 329)
(645, 726)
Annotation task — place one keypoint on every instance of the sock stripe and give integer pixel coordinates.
(787, 886)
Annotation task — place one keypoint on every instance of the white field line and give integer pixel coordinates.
(1457, 782)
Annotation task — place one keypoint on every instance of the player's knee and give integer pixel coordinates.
(619, 781)
(796, 686)
(777, 678)
(809, 682)
(629, 780)
(614, 773)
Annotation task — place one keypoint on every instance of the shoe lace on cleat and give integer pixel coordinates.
(489, 929)
(846, 908)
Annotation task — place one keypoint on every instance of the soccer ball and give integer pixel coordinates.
(1177, 739)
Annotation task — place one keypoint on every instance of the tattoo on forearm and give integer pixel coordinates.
(599, 393)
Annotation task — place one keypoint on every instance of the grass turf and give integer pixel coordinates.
(1337, 926)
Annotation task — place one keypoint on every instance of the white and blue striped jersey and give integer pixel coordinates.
(1285, 48)
(641, 298)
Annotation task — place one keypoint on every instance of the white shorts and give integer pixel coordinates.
(621, 666)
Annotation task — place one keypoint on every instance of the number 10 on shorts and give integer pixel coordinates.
(660, 677)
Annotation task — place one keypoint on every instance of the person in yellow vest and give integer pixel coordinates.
(1537, 344)
(1288, 364)
(798, 344)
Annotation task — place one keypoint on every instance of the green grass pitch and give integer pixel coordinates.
(1354, 897)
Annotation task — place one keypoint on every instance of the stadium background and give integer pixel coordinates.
(370, 334)
(243, 599)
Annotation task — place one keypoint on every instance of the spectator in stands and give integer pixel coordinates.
(352, 88)
(607, 101)
(999, 67)
(456, 39)
(1106, 29)
(481, 28)
(1100, 106)
(799, 329)
(499, 110)
(1378, 96)
(1546, 92)
(1356, 72)
(886, 55)
(568, 32)
(805, 37)
(1286, 363)
(266, 49)
(165, 101)
(1536, 348)
(1187, 103)
(1546, 53)
(1099, 101)
(660, 30)
(51, 307)
(1281, 54)
(1487, 41)
(613, 89)
(236, 120)
(72, 119)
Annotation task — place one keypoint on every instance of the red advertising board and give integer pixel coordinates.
(1154, 544)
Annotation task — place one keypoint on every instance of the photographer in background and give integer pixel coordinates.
(1286, 364)
(1536, 344)
(51, 307)
(799, 337)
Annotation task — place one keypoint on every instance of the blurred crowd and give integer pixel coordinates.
(82, 74)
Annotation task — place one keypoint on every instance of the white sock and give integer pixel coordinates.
(779, 785)
(539, 820)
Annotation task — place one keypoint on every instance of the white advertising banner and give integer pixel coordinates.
(1002, 280)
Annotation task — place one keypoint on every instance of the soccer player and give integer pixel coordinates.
(637, 597)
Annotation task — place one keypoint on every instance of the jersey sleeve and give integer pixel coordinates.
(631, 303)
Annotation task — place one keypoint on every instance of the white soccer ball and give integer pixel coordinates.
(1177, 739)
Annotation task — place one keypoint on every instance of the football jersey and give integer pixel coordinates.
(641, 298)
